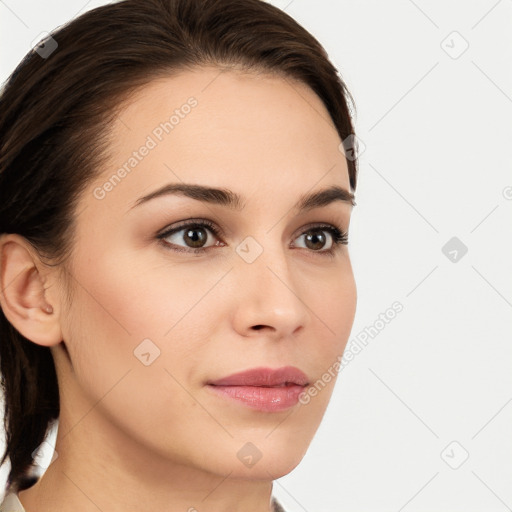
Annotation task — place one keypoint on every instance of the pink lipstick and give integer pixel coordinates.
(263, 389)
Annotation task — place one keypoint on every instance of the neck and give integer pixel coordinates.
(97, 470)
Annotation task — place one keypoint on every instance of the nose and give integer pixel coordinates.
(270, 298)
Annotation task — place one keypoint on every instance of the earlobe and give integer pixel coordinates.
(23, 297)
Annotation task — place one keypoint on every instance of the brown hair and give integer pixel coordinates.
(55, 112)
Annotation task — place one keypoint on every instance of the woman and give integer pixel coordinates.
(177, 290)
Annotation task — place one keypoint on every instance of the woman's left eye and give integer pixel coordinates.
(194, 233)
(196, 237)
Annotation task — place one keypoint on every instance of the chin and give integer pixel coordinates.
(274, 462)
(268, 470)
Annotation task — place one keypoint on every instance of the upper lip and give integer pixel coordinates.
(265, 377)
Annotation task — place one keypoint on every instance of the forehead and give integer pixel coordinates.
(223, 128)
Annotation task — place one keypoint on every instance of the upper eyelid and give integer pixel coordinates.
(166, 231)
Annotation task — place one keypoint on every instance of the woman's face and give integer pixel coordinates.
(152, 321)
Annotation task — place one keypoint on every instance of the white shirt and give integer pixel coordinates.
(11, 503)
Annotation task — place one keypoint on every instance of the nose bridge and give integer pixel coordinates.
(270, 296)
(264, 260)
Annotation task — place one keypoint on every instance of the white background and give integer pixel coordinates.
(434, 385)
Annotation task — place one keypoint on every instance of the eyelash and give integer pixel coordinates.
(339, 237)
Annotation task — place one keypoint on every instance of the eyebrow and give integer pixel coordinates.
(233, 201)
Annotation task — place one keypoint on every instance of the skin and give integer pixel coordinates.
(135, 437)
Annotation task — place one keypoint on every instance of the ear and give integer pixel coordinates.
(28, 291)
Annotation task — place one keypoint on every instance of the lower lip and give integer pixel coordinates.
(262, 398)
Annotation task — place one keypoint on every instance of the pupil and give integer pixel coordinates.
(196, 241)
(314, 238)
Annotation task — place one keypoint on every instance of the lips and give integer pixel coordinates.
(265, 377)
(263, 389)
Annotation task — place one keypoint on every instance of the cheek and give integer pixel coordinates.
(110, 319)
(125, 308)
(333, 308)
